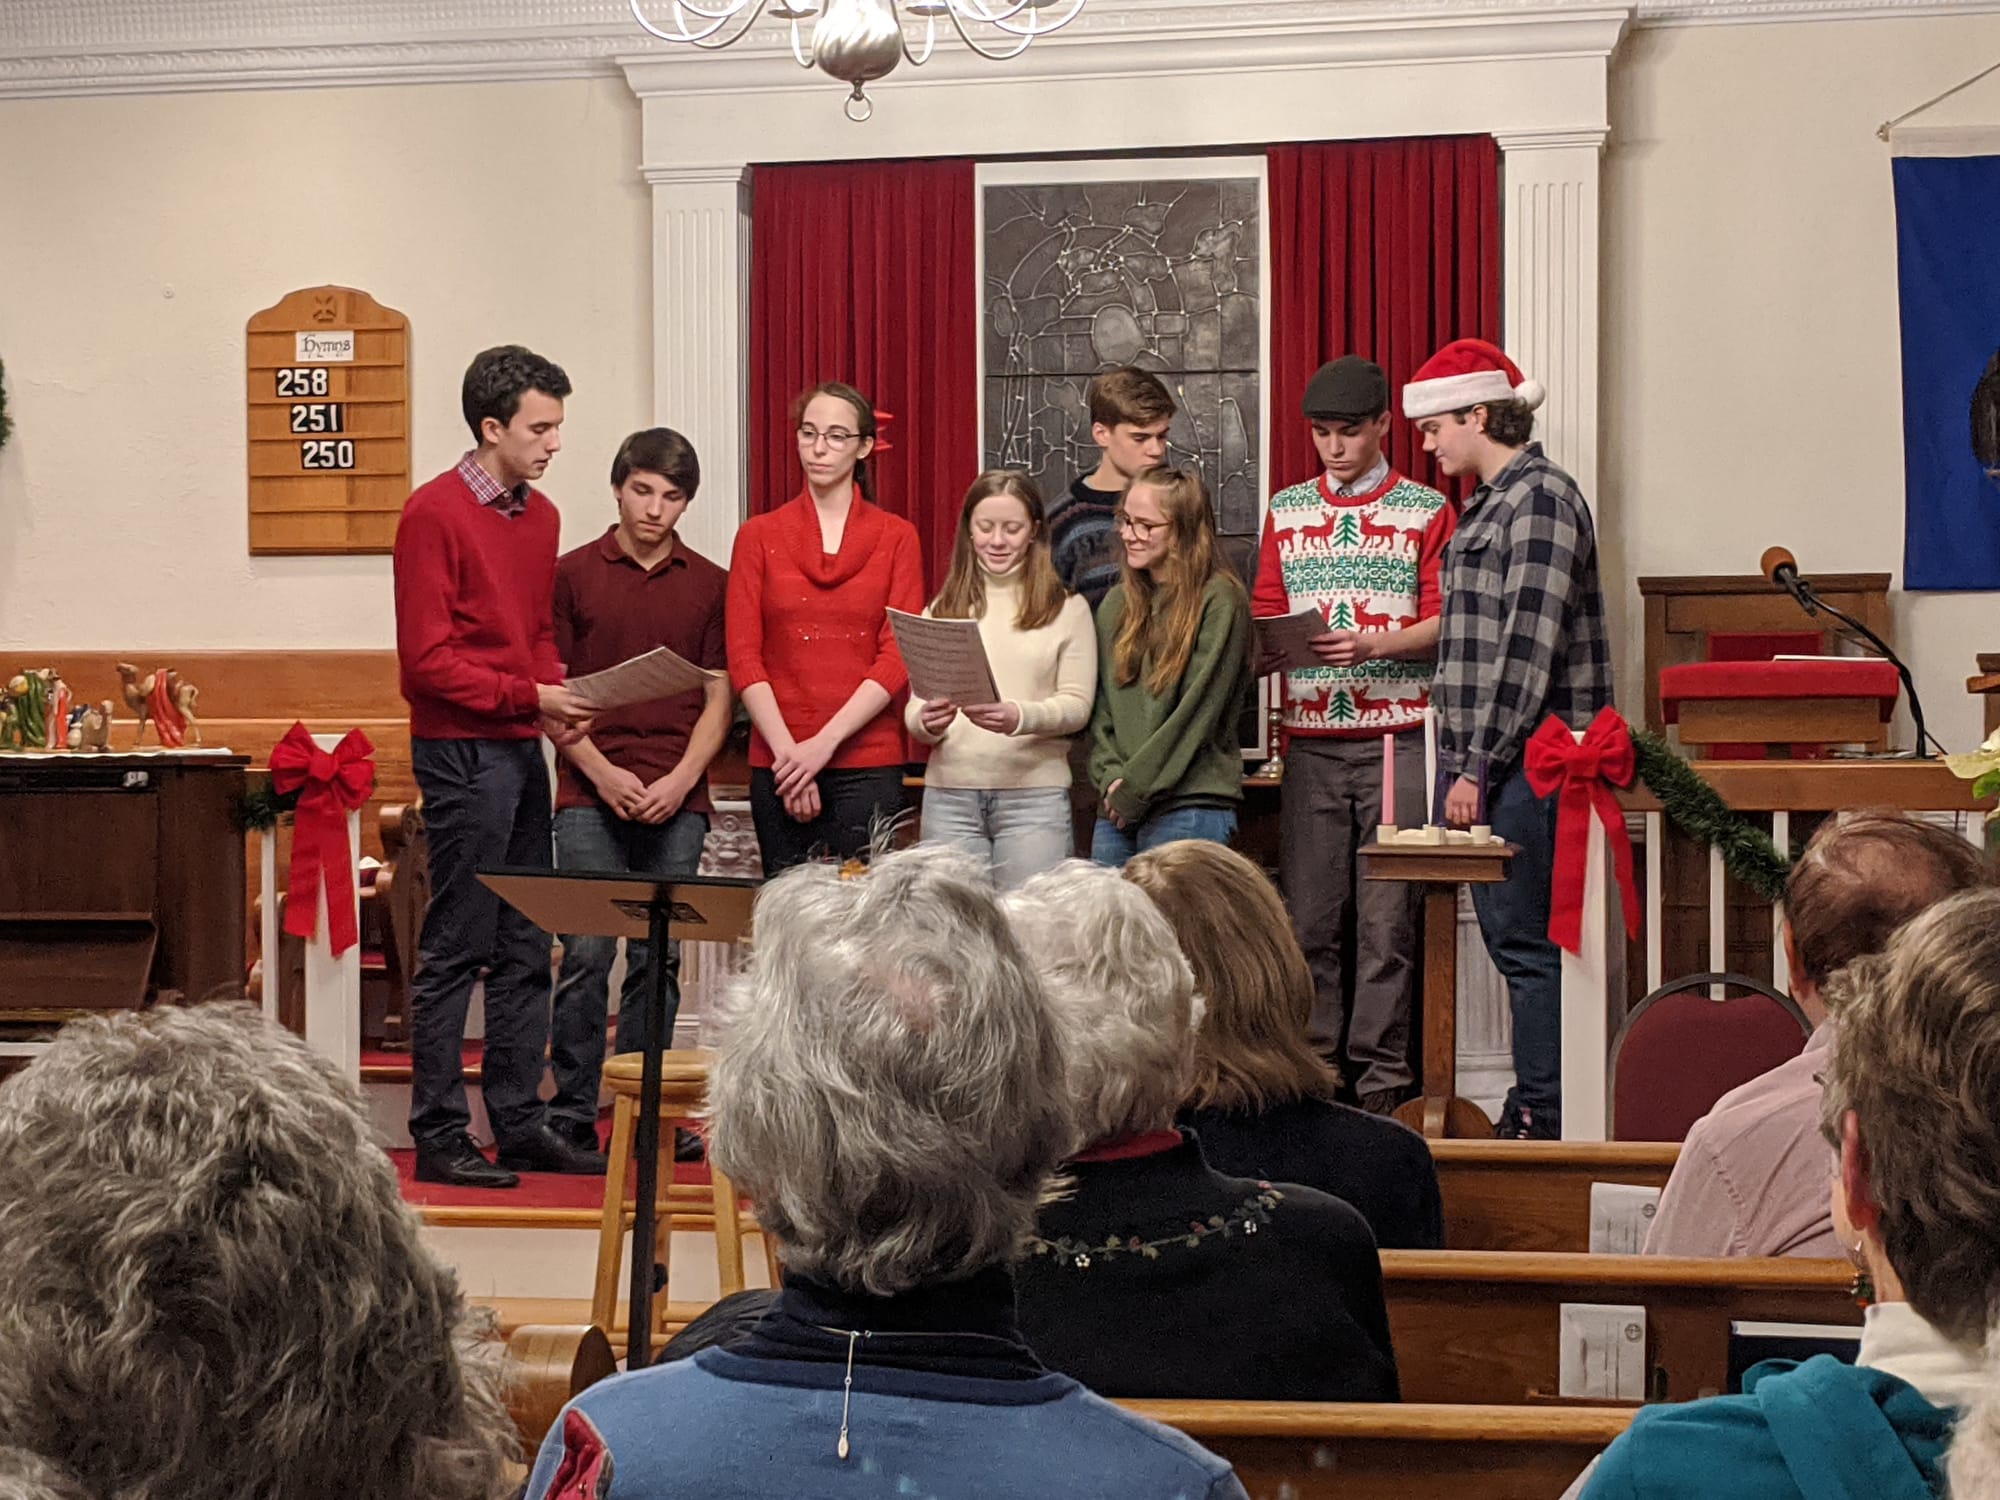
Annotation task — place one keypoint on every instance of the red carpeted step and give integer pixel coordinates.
(537, 1189)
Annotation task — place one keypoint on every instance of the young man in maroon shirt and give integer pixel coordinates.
(633, 793)
(475, 577)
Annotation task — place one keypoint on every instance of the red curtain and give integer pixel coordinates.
(865, 272)
(1386, 249)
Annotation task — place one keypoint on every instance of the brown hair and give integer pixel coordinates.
(1865, 874)
(1917, 1059)
(1509, 423)
(864, 422)
(1161, 620)
(1251, 1052)
(963, 596)
(661, 451)
(1131, 395)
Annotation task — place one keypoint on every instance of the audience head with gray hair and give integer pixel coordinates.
(1911, 1105)
(888, 1084)
(888, 1090)
(213, 1287)
(1126, 995)
(1156, 1275)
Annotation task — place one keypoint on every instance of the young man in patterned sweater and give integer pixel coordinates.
(1522, 637)
(1360, 545)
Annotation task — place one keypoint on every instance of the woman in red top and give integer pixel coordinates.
(810, 651)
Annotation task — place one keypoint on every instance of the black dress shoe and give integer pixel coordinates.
(579, 1133)
(544, 1151)
(459, 1163)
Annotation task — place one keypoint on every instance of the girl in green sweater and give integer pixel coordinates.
(1173, 652)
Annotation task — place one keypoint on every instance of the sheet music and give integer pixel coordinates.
(1286, 637)
(656, 674)
(946, 658)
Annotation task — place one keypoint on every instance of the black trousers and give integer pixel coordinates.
(486, 802)
(851, 804)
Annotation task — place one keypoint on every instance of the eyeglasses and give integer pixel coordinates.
(833, 437)
(1142, 529)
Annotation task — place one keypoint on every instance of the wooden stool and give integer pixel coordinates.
(683, 1091)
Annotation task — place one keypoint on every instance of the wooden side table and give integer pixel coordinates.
(1440, 869)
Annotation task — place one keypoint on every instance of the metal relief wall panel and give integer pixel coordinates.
(1163, 274)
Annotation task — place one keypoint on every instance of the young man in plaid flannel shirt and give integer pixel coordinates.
(1522, 637)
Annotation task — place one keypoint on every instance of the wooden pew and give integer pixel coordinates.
(1282, 1450)
(1535, 1195)
(1481, 1326)
(1285, 1450)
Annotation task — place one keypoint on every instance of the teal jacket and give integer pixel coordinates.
(1821, 1430)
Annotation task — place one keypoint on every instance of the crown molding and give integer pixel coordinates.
(87, 47)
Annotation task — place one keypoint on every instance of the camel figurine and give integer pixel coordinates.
(90, 727)
(163, 697)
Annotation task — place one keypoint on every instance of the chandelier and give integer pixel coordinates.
(859, 41)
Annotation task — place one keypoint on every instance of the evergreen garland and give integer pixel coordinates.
(263, 805)
(1698, 810)
(6, 423)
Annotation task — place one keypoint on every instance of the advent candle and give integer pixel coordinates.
(1480, 816)
(1433, 812)
(1388, 818)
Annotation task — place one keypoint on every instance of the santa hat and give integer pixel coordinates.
(1467, 372)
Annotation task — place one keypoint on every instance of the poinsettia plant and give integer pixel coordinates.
(1982, 769)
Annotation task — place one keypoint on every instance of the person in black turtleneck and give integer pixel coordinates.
(889, 1091)
(1261, 1098)
(1158, 1275)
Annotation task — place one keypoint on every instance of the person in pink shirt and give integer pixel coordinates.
(1752, 1175)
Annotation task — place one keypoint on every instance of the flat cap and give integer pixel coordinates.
(1346, 387)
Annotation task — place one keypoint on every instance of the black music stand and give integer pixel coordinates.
(703, 909)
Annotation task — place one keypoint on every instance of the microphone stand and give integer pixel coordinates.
(1812, 604)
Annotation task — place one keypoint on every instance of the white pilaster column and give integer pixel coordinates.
(701, 301)
(1549, 297)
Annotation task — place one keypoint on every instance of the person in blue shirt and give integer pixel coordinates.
(890, 1091)
(1913, 1114)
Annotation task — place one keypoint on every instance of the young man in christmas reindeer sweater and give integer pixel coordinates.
(1360, 545)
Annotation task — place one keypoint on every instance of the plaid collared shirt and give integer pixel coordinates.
(1522, 633)
(489, 491)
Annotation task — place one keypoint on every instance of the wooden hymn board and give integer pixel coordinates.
(329, 423)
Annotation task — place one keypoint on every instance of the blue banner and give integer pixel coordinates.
(1948, 269)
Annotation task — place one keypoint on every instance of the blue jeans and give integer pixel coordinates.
(595, 838)
(1514, 920)
(486, 802)
(1112, 845)
(1016, 831)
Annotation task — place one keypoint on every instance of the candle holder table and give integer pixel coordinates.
(1440, 868)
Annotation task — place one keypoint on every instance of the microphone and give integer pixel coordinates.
(1782, 570)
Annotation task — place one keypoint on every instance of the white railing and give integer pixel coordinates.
(1592, 991)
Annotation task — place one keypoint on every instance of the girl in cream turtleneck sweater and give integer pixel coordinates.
(998, 780)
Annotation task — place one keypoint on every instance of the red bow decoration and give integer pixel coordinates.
(1584, 772)
(882, 419)
(330, 784)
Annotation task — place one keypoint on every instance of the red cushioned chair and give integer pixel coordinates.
(1679, 1051)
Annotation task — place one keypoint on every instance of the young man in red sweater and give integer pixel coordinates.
(475, 577)
(633, 793)
(1360, 545)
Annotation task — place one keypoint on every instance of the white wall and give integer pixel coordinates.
(138, 234)
(1749, 320)
(1752, 389)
